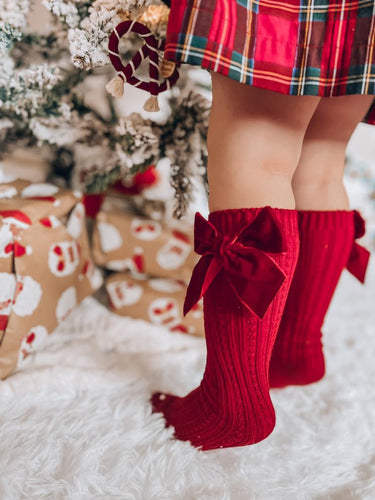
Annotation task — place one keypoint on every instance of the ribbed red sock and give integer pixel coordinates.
(249, 256)
(326, 247)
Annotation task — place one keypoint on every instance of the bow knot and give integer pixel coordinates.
(244, 258)
(221, 245)
(359, 256)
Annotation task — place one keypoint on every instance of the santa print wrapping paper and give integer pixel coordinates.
(45, 266)
(158, 261)
(124, 241)
(157, 300)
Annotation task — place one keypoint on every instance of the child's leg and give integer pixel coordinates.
(254, 143)
(326, 228)
(318, 180)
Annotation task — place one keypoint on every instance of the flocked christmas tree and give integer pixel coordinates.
(43, 104)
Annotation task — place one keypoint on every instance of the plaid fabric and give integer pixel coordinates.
(298, 47)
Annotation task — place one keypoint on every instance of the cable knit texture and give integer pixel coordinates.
(232, 405)
(326, 240)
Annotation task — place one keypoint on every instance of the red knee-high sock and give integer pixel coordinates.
(248, 258)
(327, 246)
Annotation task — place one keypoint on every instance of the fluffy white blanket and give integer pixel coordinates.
(77, 424)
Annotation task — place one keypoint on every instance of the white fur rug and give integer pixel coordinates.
(77, 424)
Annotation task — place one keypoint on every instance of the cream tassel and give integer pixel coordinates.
(167, 68)
(152, 104)
(115, 87)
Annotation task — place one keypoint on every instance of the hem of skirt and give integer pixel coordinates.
(178, 53)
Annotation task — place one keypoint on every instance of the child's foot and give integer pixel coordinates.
(210, 424)
(300, 365)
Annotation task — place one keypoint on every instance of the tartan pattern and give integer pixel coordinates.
(298, 47)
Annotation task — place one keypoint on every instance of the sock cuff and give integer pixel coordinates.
(325, 219)
(232, 219)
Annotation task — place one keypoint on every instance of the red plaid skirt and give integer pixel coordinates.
(298, 47)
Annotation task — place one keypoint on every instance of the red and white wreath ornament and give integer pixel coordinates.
(150, 49)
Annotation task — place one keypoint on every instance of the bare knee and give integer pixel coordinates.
(264, 128)
(321, 195)
(322, 158)
(318, 167)
(317, 185)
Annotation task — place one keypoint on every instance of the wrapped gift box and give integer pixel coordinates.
(157, 300)
(45, 266)
(155, 261)
(126, 242)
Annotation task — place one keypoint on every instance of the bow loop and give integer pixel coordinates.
(359, 225)
(204, 233)
(359, 256)
(252, 274)
(264, 233)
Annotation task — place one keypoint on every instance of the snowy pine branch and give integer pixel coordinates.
(14, 12)
(43, 98)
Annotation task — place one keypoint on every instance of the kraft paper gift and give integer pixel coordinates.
(123, 241)
(157, 300)
(45, 266)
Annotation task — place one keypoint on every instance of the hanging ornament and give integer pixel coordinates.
(154, 17)
(150, 49)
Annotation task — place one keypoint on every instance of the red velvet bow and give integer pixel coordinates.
(359, 256)
(254, 276)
